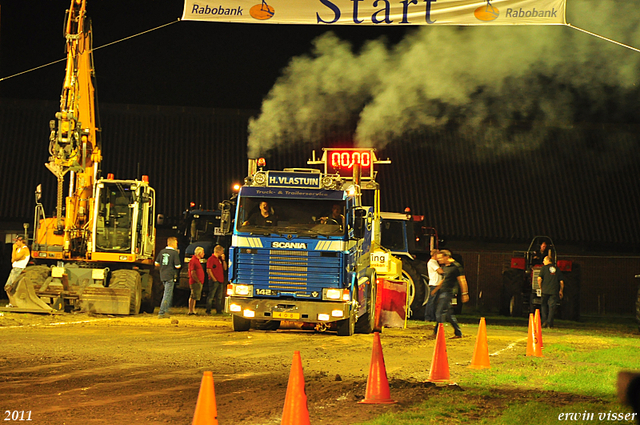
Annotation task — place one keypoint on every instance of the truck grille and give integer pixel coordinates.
(289, 270)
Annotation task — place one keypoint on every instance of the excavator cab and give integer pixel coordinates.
(113, 229)
(125, 217)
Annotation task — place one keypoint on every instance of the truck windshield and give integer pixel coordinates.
(202, 228)
(291, 216)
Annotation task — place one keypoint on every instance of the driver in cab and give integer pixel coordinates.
(336, 216)
(264, 217)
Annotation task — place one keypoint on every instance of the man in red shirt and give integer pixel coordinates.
(196, 279)
(216, 266)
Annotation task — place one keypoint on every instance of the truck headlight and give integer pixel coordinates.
(332, 294)
(241, 290)
(336, 294)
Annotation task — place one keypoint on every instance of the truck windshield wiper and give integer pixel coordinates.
(315, 233)
(258, 230)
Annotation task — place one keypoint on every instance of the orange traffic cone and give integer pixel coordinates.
(440, 364)
(539, 327)
(296, 411)
(533, 345)
(206, 410)
(377, 383)
(480, 358)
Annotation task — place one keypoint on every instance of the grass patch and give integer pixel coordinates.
(577, 376)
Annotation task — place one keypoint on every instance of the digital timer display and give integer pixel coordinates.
(342, 161)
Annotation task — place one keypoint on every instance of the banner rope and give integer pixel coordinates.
(97, 48)
(604, 38)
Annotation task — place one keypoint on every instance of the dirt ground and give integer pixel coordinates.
(77, 369)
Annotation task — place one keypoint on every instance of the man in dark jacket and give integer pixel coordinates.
(551, 282)
(169, 262)
(453, 280)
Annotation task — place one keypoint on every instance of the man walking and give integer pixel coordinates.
(19, 259)
(453, 279)
(216, 266)
(169, 262)
(551, 281)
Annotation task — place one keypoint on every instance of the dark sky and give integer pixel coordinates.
(202, 64)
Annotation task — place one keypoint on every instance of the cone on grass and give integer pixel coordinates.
(377, 383)
(480, 358)
(533, 345)
(206, 411)
(296, 411)
(439, 364)
(539, 327)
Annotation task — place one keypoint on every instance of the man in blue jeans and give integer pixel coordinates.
(169, 262)
(453, 279)
(435, 277)
(551, 282)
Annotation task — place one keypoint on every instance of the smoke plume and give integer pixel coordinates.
(501, 88)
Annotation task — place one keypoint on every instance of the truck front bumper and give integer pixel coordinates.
(290, 310)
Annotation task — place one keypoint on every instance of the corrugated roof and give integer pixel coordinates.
(581, 186)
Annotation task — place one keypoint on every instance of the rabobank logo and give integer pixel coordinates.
(262, 11)
(216, 10)
(487, 13)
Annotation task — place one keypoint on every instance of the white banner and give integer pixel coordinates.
(378, 12)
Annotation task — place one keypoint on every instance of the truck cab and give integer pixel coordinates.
(300, 251)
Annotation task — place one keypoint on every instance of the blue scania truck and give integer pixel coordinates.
(301, 245)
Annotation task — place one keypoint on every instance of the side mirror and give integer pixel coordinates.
(359, 223)
(38, 193)
(225, 218)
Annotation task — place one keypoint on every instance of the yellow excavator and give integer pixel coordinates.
(96, 253)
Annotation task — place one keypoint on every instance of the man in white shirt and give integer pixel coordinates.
(435, 277)
(19, 258)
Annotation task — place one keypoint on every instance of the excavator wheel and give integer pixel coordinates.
(147, 303)
(129, 279)
(36, 274)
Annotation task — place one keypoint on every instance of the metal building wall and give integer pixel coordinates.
(189, 154)
(575, 188)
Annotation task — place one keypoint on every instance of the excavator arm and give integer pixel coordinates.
(74, 148)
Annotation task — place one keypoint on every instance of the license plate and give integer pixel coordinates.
(285, 315)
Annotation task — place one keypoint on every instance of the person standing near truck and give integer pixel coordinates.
(453, 279)
(19, 259)
(551, 281)
(435, 277)
(169, 262)
(216, 266)
(196, 279)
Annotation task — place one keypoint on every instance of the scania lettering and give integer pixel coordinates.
(297, 245)
(303, 255)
